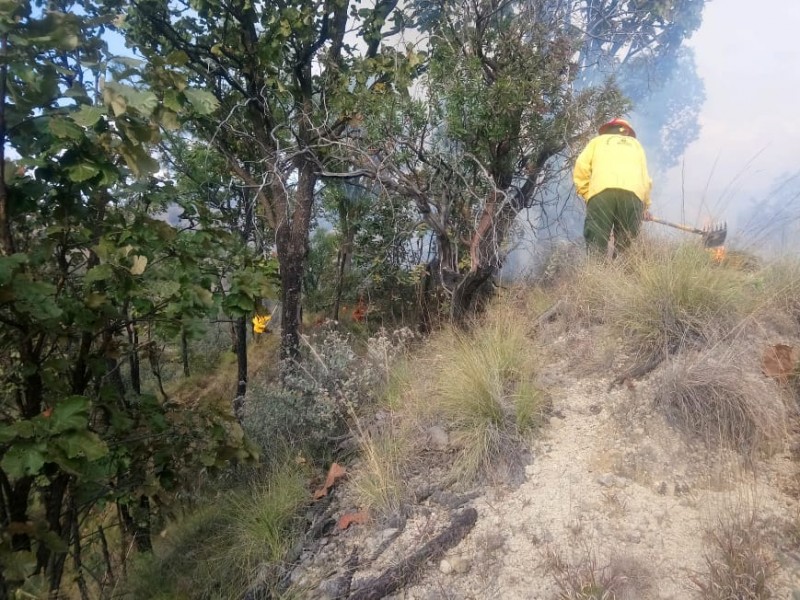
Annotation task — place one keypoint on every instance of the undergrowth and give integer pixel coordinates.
(235, 542)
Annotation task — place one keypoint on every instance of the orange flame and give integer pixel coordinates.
(718, 254)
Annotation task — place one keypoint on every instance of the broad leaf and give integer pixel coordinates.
(24, 458)
(87, 116)
(70, 413)
(82, 172)
(203, 102)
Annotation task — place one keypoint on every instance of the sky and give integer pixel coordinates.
(748, 55)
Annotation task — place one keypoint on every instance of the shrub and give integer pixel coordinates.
(319, 394)
(236, 541)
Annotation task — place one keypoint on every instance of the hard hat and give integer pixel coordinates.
(615, 126)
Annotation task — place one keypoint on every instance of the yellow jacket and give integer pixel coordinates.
(612, 161)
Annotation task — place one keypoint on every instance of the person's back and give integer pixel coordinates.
(611, 175)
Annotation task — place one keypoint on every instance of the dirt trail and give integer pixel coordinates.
(614, 484)
(612, 491)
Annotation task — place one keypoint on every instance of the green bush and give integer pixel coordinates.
(319, 396)
(237, 540)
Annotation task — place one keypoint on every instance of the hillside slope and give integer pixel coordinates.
(681, 483)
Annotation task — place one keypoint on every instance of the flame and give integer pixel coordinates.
(718, 254)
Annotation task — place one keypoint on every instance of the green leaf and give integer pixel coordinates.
(65, 129)
(24, 458)
(70, 413)
(82, 172)
(99, 273)
(169, 120)
(172, 102)
(10, 265)
(144, 102)
(36, 298)
(87, 116)
(203, 102)
(17, 565)
(82, 444)
(20, 429)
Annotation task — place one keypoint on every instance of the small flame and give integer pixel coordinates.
(718, 254)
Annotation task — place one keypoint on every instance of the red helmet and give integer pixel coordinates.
(616, 126)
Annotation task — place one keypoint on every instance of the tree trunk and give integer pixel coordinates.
(241, 356)
(133, 359)
(185, 352)
(486, 253)
(467, 293)
(47, 561)
(292, 246)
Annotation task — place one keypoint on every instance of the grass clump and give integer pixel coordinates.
(660, 297)
(739, 566)
(485, 391)
(380, 482)
(234, 543)
(711, 396)
(675, 296)
(622, 578)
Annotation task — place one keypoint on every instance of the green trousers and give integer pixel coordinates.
(614, 210)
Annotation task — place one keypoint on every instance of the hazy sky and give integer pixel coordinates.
(748, 54)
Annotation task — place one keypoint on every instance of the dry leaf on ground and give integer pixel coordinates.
(357, 518)
(335, 473)
(779, 362)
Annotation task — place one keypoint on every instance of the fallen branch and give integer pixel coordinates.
(400, 575)
(637, 371)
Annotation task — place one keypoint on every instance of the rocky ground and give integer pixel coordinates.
(611, 494)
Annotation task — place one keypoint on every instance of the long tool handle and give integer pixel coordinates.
(677, 226)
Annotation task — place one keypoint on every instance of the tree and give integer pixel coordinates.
(512, 89)
(282, 74)
(86, 270)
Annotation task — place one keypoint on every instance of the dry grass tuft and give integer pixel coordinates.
(660, 297)
(621, 578)
(675, 296)
(484, 390)
(477, 387)
(740, 566)
(711, 396)
(778, 294)
(380, 483)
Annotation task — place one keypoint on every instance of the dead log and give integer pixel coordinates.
(400, 575)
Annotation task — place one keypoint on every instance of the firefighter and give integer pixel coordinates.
(611, 176)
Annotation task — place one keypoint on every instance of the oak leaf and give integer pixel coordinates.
(335, 473)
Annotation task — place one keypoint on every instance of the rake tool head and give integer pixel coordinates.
(714, 235)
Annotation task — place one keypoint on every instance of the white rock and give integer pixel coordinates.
(445, 566)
